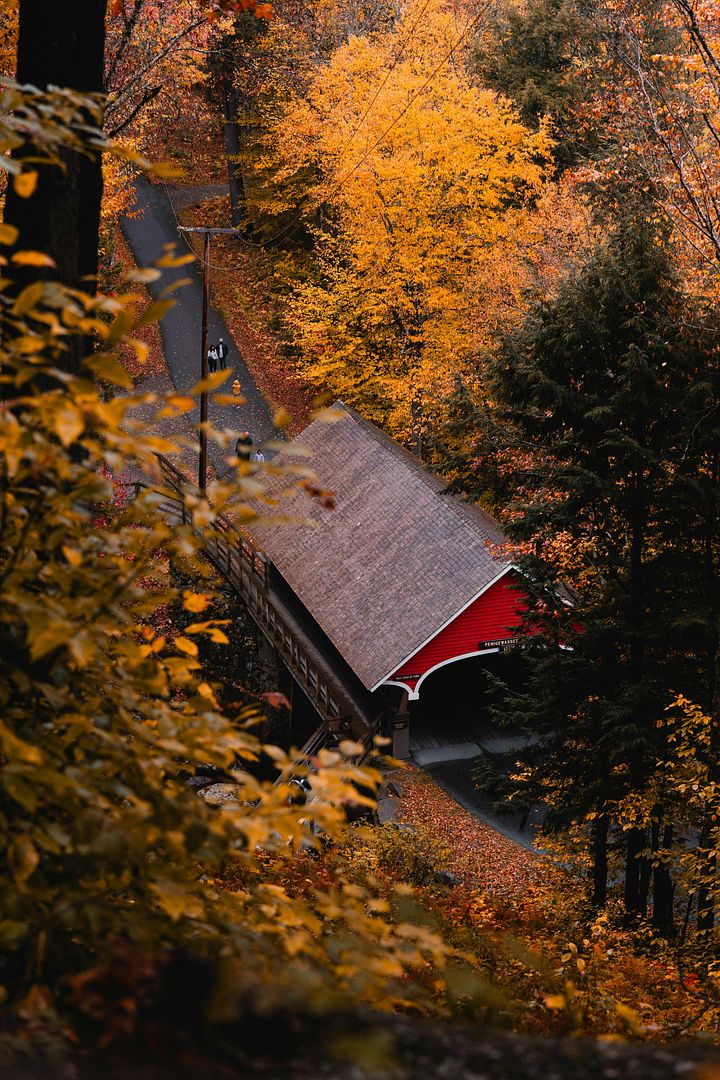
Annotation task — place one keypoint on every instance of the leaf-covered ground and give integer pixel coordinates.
(154, 364)
(480, 855)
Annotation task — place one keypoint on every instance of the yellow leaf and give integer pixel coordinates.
(23, 858)
(205, 627)
(73, 555)
(186, 645)
(27, 344)
(173, 260)
(281, 418)
(16, 749)
(214, 379)
(146, 274)
(32, 258)
(25, 183)
(142, 350)
(195, 602)
(177, 403)
(349, 748)
(68, 423)
(555, 1001)
(8, 234)
(167, 171)
(108, 367)
(28, 298)
(228, 399)
(175, 900)
(629, 1017)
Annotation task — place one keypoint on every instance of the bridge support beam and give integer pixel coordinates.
(401, 729)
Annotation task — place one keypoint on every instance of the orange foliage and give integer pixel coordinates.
(435, 195)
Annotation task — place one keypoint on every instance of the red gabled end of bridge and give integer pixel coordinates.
(490, 623)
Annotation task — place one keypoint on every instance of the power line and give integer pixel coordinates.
(288, 229)
(471, 26)
(231, 231)
(381, 87)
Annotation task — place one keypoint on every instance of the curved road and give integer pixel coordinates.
(180, 327)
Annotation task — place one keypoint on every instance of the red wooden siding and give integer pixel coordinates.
(494, 616)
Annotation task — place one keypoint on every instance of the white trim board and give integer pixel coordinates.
(415, 694)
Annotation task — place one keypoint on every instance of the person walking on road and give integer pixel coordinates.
(222, 351)
(212, 359)
(244, 446)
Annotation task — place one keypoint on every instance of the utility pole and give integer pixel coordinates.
(207, 233)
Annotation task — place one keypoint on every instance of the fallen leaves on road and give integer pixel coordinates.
(481, 856)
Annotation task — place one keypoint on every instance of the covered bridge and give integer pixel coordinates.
(397, 579)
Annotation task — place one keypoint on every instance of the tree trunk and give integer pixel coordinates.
(637, 876)
(635, 902)
(663, 889)
(231, 103)
(706, 905)
(61, 45)
(600, 859)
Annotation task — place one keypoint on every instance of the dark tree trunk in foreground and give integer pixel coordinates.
(637, 868)
(61, 44)
(663, 889)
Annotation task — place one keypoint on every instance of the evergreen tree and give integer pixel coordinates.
(527, 56)
(610, 392)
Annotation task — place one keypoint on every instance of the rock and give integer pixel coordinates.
(446, 878)
(386, 811)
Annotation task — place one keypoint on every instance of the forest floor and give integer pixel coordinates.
(480, 855)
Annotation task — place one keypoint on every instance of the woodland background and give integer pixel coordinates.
(493, 229)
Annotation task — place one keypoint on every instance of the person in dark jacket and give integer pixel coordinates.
(243, 446)
(222, 351)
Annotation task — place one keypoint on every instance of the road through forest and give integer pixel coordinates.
(180, 327)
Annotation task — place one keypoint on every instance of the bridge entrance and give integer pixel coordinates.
(451, 718)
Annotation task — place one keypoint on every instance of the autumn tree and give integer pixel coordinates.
(531, 53)
(652, 77)
(423, 183)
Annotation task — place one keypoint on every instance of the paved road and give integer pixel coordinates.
(180, 327)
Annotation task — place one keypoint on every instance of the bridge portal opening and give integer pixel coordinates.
(452, 713)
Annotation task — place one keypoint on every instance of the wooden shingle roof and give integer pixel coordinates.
(393, 562)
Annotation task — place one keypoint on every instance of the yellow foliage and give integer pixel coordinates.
(429, 188)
